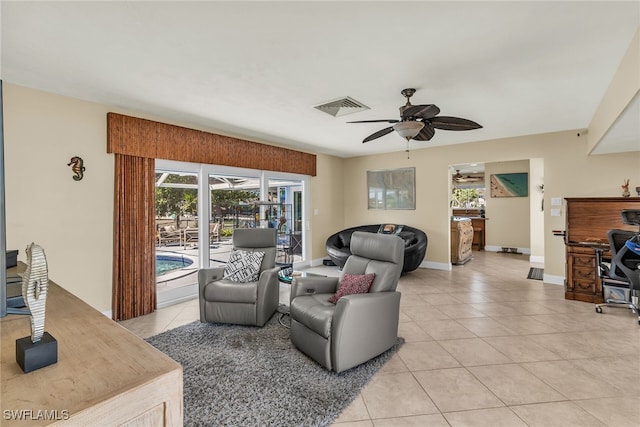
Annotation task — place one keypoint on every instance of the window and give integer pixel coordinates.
(468, 198)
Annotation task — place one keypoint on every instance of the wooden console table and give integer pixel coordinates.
(105, 375)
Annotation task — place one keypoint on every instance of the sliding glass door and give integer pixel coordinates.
(176, 212)
(286, 196)
(199, 206)
(231, 201)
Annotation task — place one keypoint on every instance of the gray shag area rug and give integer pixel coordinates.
(249, 376)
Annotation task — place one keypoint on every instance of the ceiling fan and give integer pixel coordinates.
(458, 177)
(419, 122)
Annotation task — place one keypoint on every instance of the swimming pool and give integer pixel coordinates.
(167, 263)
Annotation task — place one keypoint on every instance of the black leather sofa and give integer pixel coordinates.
(415, 245)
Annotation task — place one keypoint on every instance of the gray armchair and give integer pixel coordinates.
(251, 303)
(360, 326)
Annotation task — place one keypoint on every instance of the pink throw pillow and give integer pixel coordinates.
(353, 284)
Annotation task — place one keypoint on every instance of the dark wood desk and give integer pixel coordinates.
(588, 220)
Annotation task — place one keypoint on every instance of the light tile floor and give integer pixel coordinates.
(485, 346)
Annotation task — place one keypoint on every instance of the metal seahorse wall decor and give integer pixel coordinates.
(77, 166)
(35, 283)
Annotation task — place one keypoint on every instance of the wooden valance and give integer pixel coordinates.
(133, 136)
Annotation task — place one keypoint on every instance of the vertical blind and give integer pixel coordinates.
(134, 276)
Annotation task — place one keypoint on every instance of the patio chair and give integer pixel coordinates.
(215, 228)
(169, 234)
(191, 234)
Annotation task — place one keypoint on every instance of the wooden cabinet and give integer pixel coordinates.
(461, 240)
(583, 283)
(105, 375)
(478, 223)
(587, 222)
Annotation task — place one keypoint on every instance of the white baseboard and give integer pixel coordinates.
(446, 266)
(317, 262)
(553, 280)
(108, 313)
(301, 265)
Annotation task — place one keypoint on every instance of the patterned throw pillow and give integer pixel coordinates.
(353, 284)
(243, 266)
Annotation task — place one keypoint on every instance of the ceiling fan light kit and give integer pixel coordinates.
(459, 178)
(408, 130)
(419, 122)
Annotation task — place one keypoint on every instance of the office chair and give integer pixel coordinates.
(625, 263)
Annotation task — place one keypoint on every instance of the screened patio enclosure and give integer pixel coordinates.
(195, 219)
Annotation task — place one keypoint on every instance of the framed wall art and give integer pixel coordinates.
(392, 189)
(510, 185)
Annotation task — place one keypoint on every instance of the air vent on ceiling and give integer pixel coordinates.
(342, 106)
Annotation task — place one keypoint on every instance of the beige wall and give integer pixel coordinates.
(568, 172)
(432, 195)
(508, 223)
(73, 220)
(327, 189)
(536, 211)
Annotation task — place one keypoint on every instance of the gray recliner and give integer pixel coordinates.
(358, 327)
(252, 303)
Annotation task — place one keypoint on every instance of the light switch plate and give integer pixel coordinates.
(556, 201)
(555, 212)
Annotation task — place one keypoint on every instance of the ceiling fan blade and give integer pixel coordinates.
(468, 178)
(378, 134)
(453, 123)
(426, 111)
(426, 133)
(376, 121)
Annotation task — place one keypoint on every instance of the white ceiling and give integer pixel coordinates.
(257, 69)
